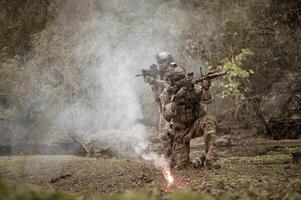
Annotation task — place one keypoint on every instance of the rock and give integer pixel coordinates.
(281, 107)
(284, 128)
(224, 141)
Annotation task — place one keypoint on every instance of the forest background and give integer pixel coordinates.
(257, 42)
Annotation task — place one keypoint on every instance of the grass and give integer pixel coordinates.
(264, 159)
(26, 192)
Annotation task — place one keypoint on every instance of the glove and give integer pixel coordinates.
(187, 138)
(150, 80)
(206, 84)
(179, 137)
(182, 92)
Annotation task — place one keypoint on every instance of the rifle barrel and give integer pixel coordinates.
(208, 76)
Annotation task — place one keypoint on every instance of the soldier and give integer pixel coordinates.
(164, 127)
(164, 59)
(187, 119)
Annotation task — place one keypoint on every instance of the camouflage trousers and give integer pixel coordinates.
(165, 135)
(181, 136)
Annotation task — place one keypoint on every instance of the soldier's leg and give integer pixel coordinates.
(197, 130)
(180, 151)
(166, 142)
(210, 143)
(165, 133)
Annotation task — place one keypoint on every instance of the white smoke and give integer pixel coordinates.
(111, 42)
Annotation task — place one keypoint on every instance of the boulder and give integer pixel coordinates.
(281, 107)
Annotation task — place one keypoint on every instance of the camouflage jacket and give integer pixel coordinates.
(187, 109)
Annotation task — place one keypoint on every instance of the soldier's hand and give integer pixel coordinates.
(182, 92)
(206, 84)
(173, 106)
(149, 79)
(179, 137)
(212, 71)
(187, 138)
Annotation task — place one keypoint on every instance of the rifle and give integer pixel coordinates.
(189, 84)
(151, 72)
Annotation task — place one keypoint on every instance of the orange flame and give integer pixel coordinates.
(168, 177)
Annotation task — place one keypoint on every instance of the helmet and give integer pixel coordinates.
(179, 74)
(180, 71)
(173, 64)
(175, 73)
(164, 58)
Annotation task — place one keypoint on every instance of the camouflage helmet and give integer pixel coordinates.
(164, 58)
(179, 73)
(175, 72)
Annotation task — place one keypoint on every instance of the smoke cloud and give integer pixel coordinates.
(120, 37)
(98, 46)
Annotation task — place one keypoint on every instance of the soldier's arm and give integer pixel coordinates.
(203, 91)
(206, 96)
(167, 111)
(158, 83)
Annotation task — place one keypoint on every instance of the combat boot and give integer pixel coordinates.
(199, 162)
(196, 164)
(211, 164)
(211, 152)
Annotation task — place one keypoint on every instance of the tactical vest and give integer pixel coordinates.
(188, 109)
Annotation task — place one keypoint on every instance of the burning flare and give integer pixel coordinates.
(167, 175)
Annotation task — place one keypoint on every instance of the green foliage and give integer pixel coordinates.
(128, 195)
(237, 77)
(295, 185)
(187, 194)
(265, 159)
(270, 29)
(246, 192)
(30, 193)
(18, 21)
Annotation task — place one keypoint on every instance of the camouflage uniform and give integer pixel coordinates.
(157, 86)
(188, 121)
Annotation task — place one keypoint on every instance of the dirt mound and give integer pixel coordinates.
(77, 174)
